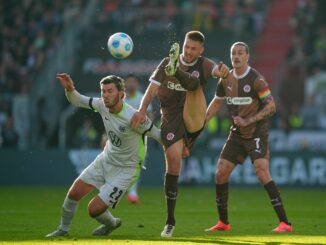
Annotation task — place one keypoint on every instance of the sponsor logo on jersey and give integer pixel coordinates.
(122, 129)
(195, 74)
(238, 100)
(247, 88)
(170, 136)
(175, 86)
(115, 140)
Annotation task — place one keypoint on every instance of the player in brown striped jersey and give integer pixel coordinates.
(179, 81)
(250, 103)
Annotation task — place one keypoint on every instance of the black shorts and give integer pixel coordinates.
(191, 137)
(236, 149)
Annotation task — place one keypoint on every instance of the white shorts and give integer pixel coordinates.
(112, 181)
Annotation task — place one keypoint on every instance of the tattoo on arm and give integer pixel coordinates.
(268, 110)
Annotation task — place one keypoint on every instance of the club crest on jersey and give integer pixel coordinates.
(247, 88)
(195, 74)
(170, 136)
(122, 129)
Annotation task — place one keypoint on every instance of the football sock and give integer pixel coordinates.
(276, 201)
(187, 80)
(106, 218)
(222, 194)
(69, 208)
(171, 191)
(133, 188)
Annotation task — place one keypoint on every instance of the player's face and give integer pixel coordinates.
(239, 56)
(110, 95)
(191, 50)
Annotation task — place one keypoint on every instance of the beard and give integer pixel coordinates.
(111, 104)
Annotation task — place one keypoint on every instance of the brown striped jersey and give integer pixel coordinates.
(245, 95)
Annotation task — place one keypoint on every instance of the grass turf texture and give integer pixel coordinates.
(29, 213)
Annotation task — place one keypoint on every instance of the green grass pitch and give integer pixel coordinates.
(27, 214)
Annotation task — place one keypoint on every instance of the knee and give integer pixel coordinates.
(173, 170)
(263, 175)
(220, 176)
(173, 166)
(73, 195)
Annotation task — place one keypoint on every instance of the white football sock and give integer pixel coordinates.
(69, 208)
(106, 218)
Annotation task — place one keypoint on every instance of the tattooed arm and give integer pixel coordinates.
(268, 110)
(266, 98)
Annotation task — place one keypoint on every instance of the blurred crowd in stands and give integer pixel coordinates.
(303, 91)
(183, 15)
(30, 29)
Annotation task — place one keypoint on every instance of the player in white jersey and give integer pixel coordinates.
(114, 169)
(133, 98)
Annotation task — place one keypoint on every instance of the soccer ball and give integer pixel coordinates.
(120, 45)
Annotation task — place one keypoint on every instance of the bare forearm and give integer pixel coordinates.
(268, 110)
(213, 108)
(148, 97)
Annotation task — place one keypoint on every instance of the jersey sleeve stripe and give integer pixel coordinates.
(219, 98)
(154, 81)
(90, 103)
(149, 129)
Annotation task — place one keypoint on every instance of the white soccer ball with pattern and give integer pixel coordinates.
(120, 45)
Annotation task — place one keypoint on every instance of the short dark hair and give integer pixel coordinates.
(196, 36)
(118, 82)
(241, 44)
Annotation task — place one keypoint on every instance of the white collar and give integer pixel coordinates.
(186, 63)
(243, 75)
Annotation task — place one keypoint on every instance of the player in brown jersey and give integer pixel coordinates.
(178, 82)
(250, 103)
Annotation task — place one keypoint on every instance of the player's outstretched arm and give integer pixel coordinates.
(66, 81)
(140, 116)
(213, 108)
(73, 96)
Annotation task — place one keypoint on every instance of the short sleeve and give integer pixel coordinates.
(158, 74)
(146, 126)
(95, 104)
(262, 89)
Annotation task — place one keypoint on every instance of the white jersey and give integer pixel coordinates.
(125, 146)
